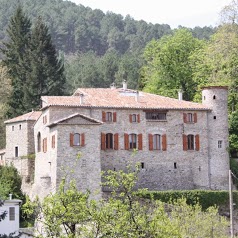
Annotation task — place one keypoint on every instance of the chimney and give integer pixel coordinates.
(113, 86)
(180, 94)
(137, 96)
(81, 98)
(124, 85)
(10, 196)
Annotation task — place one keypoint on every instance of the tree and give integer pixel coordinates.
(45, 72)
(14, 51)
(168, 67)
(70, 213)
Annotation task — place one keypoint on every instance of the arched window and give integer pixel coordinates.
(132, 141)
(190, 142)
(109, 141)
(76, 140)
(214, 97)
(38, 142)
(156, 142)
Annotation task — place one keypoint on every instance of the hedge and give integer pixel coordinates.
(205, 198)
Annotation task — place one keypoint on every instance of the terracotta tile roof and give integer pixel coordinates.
(119, 98)
(30, 116)
(90, 120)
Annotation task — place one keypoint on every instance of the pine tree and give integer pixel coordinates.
(46, 72)
(14, 51)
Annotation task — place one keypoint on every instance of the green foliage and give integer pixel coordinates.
(32, 64)
(206, 198)
(234, 170)
(70, 213)
(10, 182)
(168, 66)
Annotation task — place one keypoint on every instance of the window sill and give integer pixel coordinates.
(151, 120)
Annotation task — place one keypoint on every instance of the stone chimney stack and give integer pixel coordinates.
(124, 85)
(137, 96)
(180, 94)
(81, 98)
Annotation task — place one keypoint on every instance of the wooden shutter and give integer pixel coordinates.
(45, 144)
(185, 117)
(185, 142)
(164, 142)
(82, 139)
(114, 116)
(197, 142)
(126, 141)
(130, 118)
(150, 141)
(103, 116)
(116, 141)
(138, 118)
(71, 139)
(195, 117)
(45, 119)
(140, 142)
(103, 141)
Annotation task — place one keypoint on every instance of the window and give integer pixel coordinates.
(142, 165)
(214, 97)
(133, 141)
(11, 213)
(157, 142)
(44, 119)
(109, 116)
(16, 151)
(77, 139)
(134, 118)
(44, 145)
(109, 141)
(12, 128)
(191, 142)
(158, 116)
(214, 117)
(53, 141)
(220, 144)
(20, 127)
(190, 117)
(39, 142)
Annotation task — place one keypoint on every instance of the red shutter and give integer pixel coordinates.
(164, 142)
(138, 118)
(82, 139)
(103, 116)
(185, 142)
(126, 141)
(71, 139)
(116, 141)
(195, 117)
(114, 116)
(185, 117)
(150, 142)
(197, 142)
(140, 142)
(130, 118)
(103, 141)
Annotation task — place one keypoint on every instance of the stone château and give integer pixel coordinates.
(177, 144)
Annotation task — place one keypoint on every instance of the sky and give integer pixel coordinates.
(188, 13)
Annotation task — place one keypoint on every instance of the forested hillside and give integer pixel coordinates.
(97, 48)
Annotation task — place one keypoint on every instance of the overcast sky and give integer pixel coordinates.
(189, 13)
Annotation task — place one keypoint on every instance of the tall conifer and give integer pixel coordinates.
(14, 50)
(46, 72)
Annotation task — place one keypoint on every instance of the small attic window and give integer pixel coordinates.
(20, 127)
(214, 96)
(204, 97)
